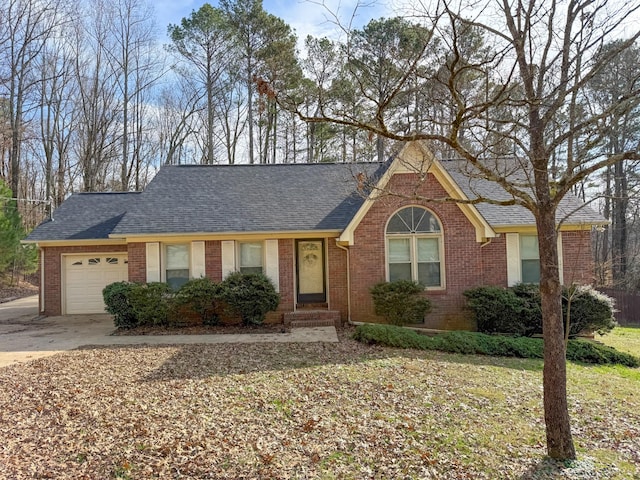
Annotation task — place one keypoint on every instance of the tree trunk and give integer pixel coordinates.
(249, 80)
(619, 237)
(556, 410)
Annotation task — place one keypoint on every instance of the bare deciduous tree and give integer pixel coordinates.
(544, 55)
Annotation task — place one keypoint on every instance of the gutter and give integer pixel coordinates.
(346, 249)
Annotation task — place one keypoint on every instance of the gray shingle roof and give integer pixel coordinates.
(85, 216)
(255, 198)
(247, 198)
(571, 210)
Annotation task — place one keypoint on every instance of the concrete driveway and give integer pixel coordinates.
(24, 336)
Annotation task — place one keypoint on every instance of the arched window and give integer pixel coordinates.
(414, 247)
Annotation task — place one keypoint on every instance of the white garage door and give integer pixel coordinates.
(87, 275)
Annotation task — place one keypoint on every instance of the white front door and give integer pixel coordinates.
(311, 271)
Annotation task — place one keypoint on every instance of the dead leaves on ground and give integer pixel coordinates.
(289, 411)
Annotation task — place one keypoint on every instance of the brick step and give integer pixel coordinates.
(312, 318)
(312, 306)
(312, 323)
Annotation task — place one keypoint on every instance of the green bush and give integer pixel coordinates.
(517, 310)
(201, 296)
(250, 295)
(497, 310)
(469, 343)
(591, 311)
(116, 299)
(150, 303)
(400, 302)
(531, 307)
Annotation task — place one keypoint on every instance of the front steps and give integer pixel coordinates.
(312, 318)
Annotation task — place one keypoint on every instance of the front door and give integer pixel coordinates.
(311, 271)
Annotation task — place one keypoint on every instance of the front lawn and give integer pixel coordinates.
(325, 411)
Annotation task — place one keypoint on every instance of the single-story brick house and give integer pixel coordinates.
(312, 230)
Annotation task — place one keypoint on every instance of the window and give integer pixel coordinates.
(529, 259)
(414, 244)
(177, 263)
(250, 257)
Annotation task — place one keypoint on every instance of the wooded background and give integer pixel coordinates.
(92, 99)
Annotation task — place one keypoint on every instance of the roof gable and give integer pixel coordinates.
(416, 158)
(461, 184)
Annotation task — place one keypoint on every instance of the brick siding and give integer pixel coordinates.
(577, 257)
(466, 262)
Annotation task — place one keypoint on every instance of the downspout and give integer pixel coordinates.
(346, 249)
(484, 244)
(41, 289)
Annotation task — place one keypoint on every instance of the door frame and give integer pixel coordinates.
(311, 297)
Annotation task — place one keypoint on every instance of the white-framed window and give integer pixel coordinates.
(176, 260)
(523, 258)
(414, 247)
(250, 257)
(529, 259)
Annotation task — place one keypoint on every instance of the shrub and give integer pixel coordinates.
(497, 310)
(591, 311)
(250, 295)
(531, 307)
(201, 296)
(116, 299)
(400, 302)
(388, 335)
(150, 303)
(518, 311)
(494, 345)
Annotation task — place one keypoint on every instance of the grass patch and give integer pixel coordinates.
(352, 411)
(470, 343)
(625, 339)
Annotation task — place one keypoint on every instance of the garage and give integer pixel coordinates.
(86, 275)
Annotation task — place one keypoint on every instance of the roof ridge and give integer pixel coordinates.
(104, 193)
(258, 165)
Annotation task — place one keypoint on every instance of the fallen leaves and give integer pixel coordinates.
(295, 411)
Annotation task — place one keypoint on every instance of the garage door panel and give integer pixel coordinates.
(87, 275)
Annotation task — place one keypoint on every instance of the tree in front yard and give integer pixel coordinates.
(520, 92)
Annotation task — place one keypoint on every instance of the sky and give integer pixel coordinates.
(304, 16)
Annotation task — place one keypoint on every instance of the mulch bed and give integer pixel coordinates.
(204, 330)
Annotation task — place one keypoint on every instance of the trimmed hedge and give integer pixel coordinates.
(400, 302)
(116, 299)
(154, 304)
(250, 295)
(201, 296)
(470, 343)
(497, 310)
(517, 310)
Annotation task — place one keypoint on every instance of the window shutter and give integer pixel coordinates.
(514, 274)
(560, 259)
(153, 262)
(228, 257)
(197, 260)
(272, 269)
